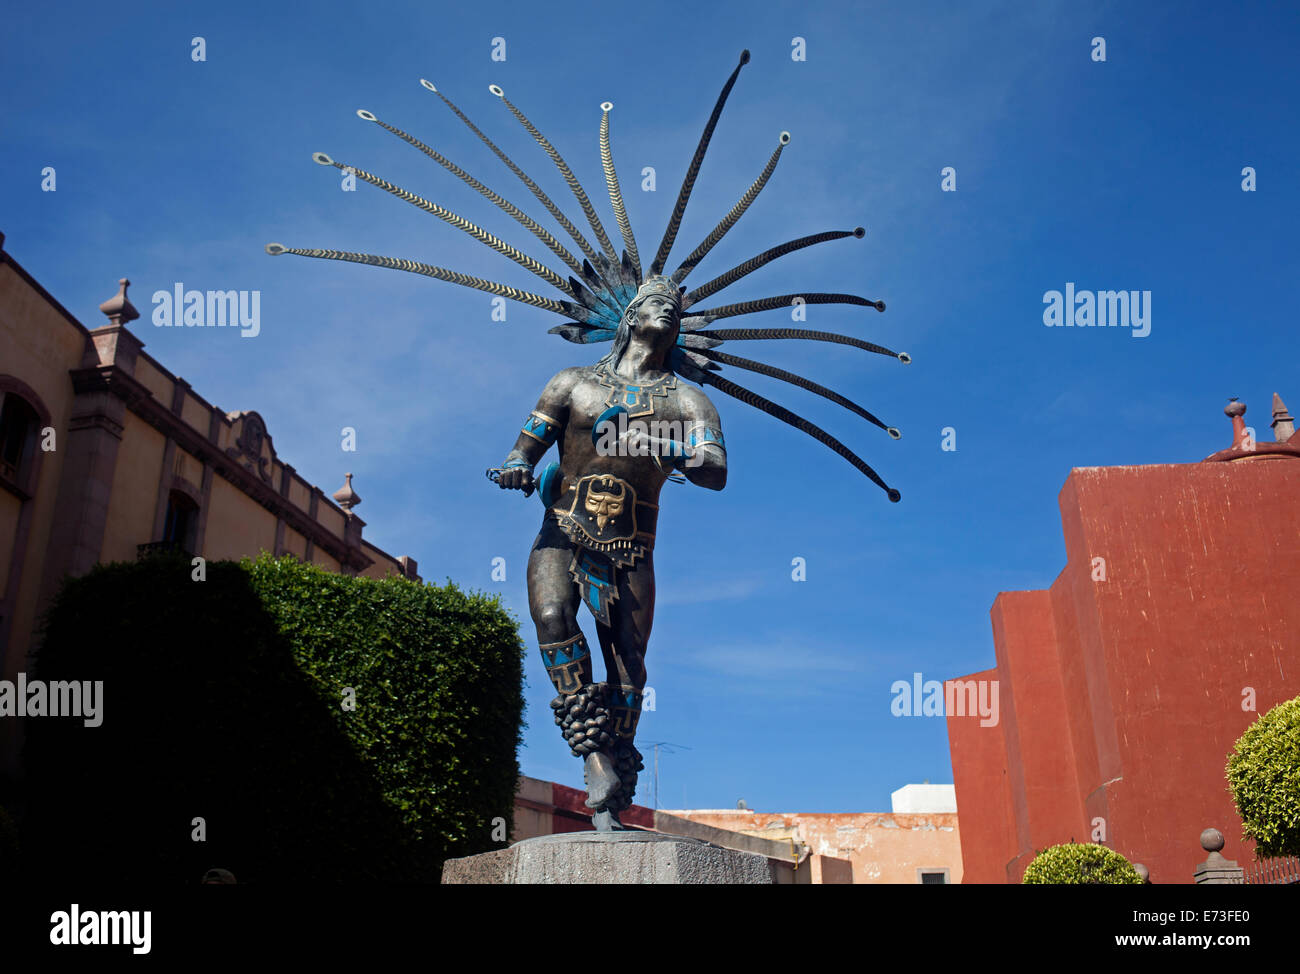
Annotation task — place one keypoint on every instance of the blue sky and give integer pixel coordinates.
(1123, 174)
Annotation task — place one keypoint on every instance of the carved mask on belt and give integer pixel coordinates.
(605, 504)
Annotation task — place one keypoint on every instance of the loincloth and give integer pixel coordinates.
(610, 530)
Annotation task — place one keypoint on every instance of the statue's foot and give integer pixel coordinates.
(601, 776)
(607, 821)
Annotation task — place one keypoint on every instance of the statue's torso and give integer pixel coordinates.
(647, 402)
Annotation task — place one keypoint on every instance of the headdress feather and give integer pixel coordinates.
(604, 283)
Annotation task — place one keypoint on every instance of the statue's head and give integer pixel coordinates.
(654, 316)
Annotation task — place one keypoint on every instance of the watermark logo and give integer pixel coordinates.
(622, 437)
(1098, 309)
(208, 309)
(57, 698)
(956, 698)
(102, 927)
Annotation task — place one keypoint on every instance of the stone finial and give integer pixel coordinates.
(1216, 870)
(346, 497)
(1143, 872)
(119, 308)
(1244, 444)
(1236, 410)
(1283, 422)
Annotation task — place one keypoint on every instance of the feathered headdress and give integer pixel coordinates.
(606, 283)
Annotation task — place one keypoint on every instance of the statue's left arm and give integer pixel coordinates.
(704, 454)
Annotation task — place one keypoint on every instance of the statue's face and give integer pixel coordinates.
(658, 319)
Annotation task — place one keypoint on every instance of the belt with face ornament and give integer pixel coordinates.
(601, 513)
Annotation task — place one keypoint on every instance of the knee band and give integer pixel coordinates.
(568, 663)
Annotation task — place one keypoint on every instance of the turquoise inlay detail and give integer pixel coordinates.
(610, 312)
(625, 708)
(598, 428)
(541, 429)
(548, 484)
(706, 435)
(596, 580)
(577, 650)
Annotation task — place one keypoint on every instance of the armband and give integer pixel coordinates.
(703, 435)
(541, 428)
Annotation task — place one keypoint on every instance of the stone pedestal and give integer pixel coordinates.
(610, 857)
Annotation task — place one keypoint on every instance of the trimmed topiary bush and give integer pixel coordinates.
(324, 728)
(1077, 863)
(1264, 777)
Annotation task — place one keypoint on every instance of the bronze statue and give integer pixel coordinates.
(598, 534)
(623, 425)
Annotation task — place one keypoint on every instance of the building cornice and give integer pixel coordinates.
(140, 400)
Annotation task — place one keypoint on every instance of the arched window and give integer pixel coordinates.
(19, 430)
(182, 521)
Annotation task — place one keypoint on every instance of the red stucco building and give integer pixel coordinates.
(1174, 624)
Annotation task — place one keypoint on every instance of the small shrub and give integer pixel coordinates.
(1081, 864)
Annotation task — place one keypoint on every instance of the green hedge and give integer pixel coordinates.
(1264, 777)
(224, 699)
(1078, 863)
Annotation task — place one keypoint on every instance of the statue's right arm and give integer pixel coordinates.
(544, 425)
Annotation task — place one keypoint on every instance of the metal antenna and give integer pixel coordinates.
(670, 748)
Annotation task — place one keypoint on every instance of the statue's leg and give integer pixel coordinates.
(553, 601)
(581, 707)
(624, 645)
(632, 621)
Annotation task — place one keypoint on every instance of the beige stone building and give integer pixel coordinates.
(916, 842)
(105, 453)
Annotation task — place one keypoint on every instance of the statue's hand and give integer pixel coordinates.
(637, 442)
(640, 443)
(516, 478)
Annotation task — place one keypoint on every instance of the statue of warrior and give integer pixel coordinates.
(597, 538)
(624, 425)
